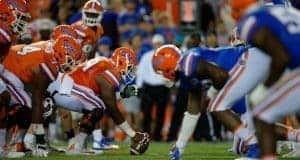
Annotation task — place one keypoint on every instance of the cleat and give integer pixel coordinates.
(104, 144)
(175, 153)
(16, 150)
(253, 151)
(12, 154)
(292, 154)
(77, 147)
(285, 147)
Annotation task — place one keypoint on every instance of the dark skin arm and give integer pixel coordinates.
(108, 96)
(38, 88)
(197, 101)
(266, 41)
(218, 75)
(4, 101)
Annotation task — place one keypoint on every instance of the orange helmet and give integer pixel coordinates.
(238, 7)
(92, 13)
(125, 60)
(165, 60)
(66, 53)
(14, 13)
(64, 30)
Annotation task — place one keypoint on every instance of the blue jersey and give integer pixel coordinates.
(224, 58)
(283, 22)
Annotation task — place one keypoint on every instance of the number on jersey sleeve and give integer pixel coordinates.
(28, 49)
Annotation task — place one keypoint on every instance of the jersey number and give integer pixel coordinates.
(90, 63)
(290, 18)
(28, 49)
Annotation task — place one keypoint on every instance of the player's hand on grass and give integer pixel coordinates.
(40, 151)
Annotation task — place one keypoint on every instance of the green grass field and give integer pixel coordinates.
(157, 151)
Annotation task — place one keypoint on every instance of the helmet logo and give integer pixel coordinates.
(14, 5)
(66, 31)
(69, 48)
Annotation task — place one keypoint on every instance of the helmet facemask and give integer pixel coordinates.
(68, 66)
(128, 75)
(91, 19)
(21, 21)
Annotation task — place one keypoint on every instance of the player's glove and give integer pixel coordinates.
(40, 151)
(140, 143)
(128, 91)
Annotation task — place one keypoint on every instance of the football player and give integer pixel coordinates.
(89, 27)
(14, 16)
(197, 72)
(32, 68)
(93, 91)
(276, 31)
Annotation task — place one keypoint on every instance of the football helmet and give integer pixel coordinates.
(64, 30)
(238, 7)
(15, 13)
(66, 53)
(165, 60)
(125, 60)
(92, 13)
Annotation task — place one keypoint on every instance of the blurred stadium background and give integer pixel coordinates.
(140, 24)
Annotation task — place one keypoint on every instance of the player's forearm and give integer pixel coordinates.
(116, 114)
(218, 75)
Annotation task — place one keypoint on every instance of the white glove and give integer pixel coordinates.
(40, 151)
(211, 92)
(258, 94)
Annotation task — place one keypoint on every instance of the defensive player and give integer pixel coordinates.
(276, 31)
(33, 68)
(197, 73)
(225, 59)
(93, 90)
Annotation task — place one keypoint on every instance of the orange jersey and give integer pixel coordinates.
(22, 59)
(88, 34)
(6, 39)
(86, 73)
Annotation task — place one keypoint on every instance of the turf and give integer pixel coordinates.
(157, 151)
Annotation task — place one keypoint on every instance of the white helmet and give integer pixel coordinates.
(92, 13)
